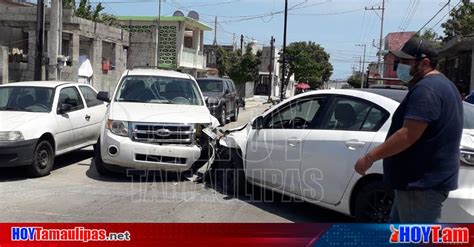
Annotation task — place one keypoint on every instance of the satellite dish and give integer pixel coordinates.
(193, 15)
(178, 13)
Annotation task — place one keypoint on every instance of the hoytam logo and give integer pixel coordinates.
(77, 234)
(435, 234)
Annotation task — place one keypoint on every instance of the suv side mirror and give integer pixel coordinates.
(257, 123)
(103, 96)
(226, 91)
(64, 108)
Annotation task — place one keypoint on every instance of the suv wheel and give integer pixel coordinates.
(100, 166)
(236, 114)
(374, 203)
(43, 160)
(223, 116)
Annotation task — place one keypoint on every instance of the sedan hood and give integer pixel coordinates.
(13, 120)
(159, 113)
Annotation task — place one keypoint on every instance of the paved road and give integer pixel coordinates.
(74, 192)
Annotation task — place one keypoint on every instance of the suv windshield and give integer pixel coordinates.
(30, 99)
(211, 86)
(159, 90)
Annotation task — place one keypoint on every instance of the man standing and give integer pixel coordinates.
(421, 152)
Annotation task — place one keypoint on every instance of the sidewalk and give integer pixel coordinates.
(256, 101)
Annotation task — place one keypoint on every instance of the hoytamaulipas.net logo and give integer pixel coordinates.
(435, 234)
(78, 234)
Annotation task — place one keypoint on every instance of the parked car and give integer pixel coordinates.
(221, 98)
(41, 120)
(154, 121)
(307, 146)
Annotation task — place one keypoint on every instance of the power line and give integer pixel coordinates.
(437, 13)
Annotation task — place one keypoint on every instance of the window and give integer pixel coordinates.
(159, 90)
(297, 115)
(90, 96)
(211, 86)
(71, 97)
(354, 115)
(30, 99)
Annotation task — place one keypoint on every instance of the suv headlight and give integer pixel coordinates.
(11, 136)
(118, 127)
(467, 157)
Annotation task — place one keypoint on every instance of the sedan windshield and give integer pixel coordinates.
(159, 90)
(210, 86)
(29, 99)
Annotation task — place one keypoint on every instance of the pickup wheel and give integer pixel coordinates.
(236, 114)
(374, 203)
(100, 166)
(43, 160)
(223, 116)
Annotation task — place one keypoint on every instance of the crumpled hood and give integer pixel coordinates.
(159, 113)
(14, 120)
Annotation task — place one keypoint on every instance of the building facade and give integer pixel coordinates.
(180, 41)
(81, 40)
(456, 62)
(393, 41)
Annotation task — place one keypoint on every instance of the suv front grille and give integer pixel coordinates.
(163, 133)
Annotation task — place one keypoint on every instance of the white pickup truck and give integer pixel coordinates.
(154, 122)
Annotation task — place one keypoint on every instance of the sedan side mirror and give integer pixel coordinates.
(257, 123)
(103, 96)
(64, 108)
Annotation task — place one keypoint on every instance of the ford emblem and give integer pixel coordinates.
(163, 132)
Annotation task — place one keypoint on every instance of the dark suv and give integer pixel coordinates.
(221, 98)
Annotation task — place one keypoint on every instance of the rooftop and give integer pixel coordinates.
(191, 21)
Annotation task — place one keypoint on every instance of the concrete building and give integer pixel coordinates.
(105, 47)
(457, 64)
(264, 80)
(181, 43)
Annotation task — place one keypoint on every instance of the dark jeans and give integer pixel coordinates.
(417, 206)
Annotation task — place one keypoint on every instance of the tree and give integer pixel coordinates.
(240, 68)
(460, 22)
(432, 36)
(309, 63)
(354, 81)
(85, 10)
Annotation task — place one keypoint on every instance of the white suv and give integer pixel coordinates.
(154, 122)
(40, 120)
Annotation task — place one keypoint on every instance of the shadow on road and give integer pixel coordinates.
(19, 173)
(292, 209)
(132, 175)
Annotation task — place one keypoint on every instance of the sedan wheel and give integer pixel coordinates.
(43, 160)
(374, 203)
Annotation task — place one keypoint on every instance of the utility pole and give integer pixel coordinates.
(282, 86)
(242, 44)
(38, 75)
(363, 65)
(271, 67)
(215, 32)
(158, 29)
(53, 40)
(379, 63)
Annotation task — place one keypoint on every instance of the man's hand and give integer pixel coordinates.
(363, 164)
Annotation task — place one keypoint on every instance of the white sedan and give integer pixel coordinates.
(41, 120)
(307, 146)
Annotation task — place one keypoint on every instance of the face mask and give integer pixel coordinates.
(403, 72)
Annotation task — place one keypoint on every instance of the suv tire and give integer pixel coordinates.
(100, 166)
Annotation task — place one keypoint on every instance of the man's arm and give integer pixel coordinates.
(411, 132)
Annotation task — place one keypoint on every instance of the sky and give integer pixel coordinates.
(337, 25)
